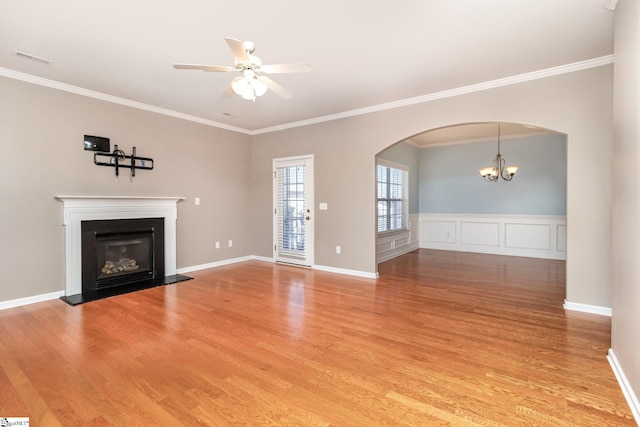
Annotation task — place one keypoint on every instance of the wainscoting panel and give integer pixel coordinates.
(528, 236)
(439, 231)
(394, 244)
(477, 233)
(536, 236)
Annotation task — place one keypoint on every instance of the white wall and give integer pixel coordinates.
(625, 334)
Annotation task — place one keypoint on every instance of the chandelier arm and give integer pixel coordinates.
(503, 172)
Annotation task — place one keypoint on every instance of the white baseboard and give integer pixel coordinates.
(585, 308)
(30, 300)
(213, 264)
(627, 390)
(262, 258)
(346, 272)
(271, 260)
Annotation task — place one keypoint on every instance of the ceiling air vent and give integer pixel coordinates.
(32, 57)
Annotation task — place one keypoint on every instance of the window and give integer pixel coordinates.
(291, 201)
(393, 199)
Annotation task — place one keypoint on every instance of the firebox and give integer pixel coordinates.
(122, 253)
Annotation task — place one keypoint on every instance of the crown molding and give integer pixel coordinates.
(492, 84)
(53, 84)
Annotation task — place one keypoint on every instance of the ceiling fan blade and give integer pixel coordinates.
(228, 92)
(286, 68)
(275, 87)
(239, 52)
(216, 68)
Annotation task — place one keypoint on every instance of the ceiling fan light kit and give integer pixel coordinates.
(248, 87)
(251, 84)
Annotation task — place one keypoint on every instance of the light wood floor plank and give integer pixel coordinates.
(441, 338)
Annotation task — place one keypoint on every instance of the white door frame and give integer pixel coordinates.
(307, 161)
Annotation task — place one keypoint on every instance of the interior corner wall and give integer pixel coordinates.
(41, 135)
(577, 104)
(625, 333)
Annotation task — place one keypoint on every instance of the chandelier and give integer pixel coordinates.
(497, 170)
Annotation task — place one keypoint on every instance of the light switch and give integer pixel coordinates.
(324, 206)
(197, 200)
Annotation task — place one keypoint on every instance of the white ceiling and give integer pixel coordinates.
(363, 53)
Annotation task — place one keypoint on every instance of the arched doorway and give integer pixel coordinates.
(450, 207)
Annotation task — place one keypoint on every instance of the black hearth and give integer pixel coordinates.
(121, 256)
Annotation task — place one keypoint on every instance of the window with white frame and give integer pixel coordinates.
(393, 196)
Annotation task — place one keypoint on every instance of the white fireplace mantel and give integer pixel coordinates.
(89, 208)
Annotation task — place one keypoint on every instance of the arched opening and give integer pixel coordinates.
(451, 207)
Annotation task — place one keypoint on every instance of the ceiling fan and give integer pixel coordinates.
(251, 83)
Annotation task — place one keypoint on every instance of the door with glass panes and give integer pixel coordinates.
(293, 210)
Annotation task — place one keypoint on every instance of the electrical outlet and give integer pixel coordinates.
(230, 243)
(217, 245)
(338, 249)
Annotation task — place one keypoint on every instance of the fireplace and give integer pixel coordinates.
(122, 252)
(132, 259)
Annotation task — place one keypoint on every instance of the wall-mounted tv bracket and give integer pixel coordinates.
(118, 159)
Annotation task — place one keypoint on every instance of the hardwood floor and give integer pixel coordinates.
(442, 338)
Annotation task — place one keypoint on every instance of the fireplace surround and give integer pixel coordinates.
(79, 209)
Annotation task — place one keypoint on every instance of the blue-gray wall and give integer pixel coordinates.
(449, 181)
